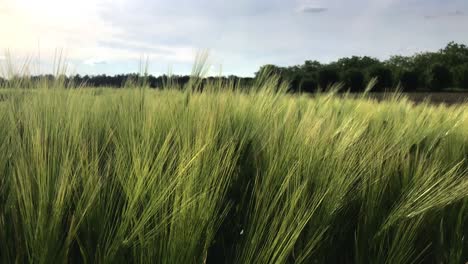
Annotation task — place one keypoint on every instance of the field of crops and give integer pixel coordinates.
(228, 176)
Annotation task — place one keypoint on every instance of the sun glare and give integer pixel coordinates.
(45, 25)
(51, 9)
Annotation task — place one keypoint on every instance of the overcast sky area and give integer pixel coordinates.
(111, 36)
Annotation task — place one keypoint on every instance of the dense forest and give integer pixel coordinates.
(429, 71)
(426, 71)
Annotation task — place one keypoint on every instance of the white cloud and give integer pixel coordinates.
(93, 62)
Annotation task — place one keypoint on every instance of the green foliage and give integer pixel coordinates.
(409, 80)
(310, 66)
(384, 77)
(268, 69)
(355, 62)
(440, 77)
(396, 68)
(454, 54)
(461, 76)
(309, 85)
(327, 77)
(398, 62)
(354, 80)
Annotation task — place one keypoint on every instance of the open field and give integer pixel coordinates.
(449, 98)
(223, 176)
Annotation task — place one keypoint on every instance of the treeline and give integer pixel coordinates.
(427, 71)
(433, 71)
(120, 80)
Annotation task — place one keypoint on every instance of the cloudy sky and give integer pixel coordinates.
(111, 36)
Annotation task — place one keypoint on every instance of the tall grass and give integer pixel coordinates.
(230, 176)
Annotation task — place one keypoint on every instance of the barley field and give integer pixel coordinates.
(229, 175)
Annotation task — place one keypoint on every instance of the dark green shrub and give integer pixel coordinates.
(384, 77)
(327, 77)
(295, 84)
(309, 85)
(409, 80)
(354, 80)
(440, 77)
(461, 76)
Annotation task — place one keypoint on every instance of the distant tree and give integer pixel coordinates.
(267, 70)
(409, 80)
(423, 62)
(76, 80)
(183, 80)
(327, 76)
(384, 77)
(461, 76)
(247, 81)
(354, 80)
(309, 85)
(454, 54)
(356, 62)
(295, 83)
(310, 67)
(440, 77)
(400, 63)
